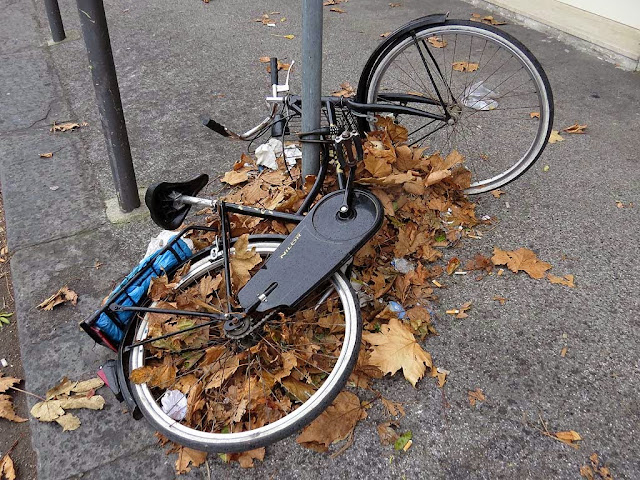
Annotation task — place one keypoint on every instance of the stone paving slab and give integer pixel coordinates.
(46, 198)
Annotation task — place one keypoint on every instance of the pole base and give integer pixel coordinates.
(116, 216)
(72, 36)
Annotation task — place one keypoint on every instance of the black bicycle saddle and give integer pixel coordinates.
(160, 198)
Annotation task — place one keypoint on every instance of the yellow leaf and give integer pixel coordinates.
(46, 155)
(465, 66)
(47, 411)
(567, 280)
(534, 115)
(7, 411)
(95, 402)
(7, 382)
(68, 421)
(555, 137)
(395, 348)
(236, 177)
(63, 388)
(243, 261)
(7, 470)
(437, 42)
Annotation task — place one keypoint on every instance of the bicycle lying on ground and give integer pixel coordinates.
(247, 313)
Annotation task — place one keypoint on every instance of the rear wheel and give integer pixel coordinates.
(494, 91)
(256, 388)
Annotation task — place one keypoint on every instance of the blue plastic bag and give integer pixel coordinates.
(138, 290)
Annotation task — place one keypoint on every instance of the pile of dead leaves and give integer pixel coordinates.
(229, 389)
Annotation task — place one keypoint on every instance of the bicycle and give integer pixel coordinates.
(273, 303)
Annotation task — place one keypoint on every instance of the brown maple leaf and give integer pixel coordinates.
(334, 424)
(7, 470)
(395, 348)
(188, 458)
(522, 259)
(476, 396)
(7, 382)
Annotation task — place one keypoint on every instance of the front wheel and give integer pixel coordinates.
(492, 90)
(220, 394)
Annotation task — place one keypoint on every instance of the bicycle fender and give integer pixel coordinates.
(436, 18)
(318, 246)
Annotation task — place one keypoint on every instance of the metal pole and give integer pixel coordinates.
(55, 20)
(311, 81)
(105, 82)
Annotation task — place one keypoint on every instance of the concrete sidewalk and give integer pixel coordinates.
(177, 60)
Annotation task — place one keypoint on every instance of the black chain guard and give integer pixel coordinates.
(320, 244)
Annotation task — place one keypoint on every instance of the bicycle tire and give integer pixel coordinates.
(373, 78)
(262, 436)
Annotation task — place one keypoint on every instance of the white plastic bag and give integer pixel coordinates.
(479, 97)
(161, 241)
(174, 404)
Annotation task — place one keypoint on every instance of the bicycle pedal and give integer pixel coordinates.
(316, 248)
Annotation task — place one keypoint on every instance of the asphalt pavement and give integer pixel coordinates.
(178, 60)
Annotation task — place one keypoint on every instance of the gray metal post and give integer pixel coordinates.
(55, 20)
(105, 82)
(311, 80)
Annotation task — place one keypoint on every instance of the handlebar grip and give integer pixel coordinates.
(273, 61)
(215, 126)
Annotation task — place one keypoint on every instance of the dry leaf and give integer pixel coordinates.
(46, 155)
(7, 470)
(188, 458)
(346, 90)
(63, 388)
(47, 411)
(67, 126)
(476, 396)
(337, 10)
(555, 137)
(502, 300)
(68, 421)
(236, 177)
(534, 115)
(7, 382)
(522, 259)
(568, 437)
(575, 128)
(497, 193)
(453, 265)
(385, 34)
(96, 402)
(64, 295)
(563, 352)
(465, 66)
(7, 410)
(334, 424)
(394, 5)
(488, 19)
(387, 433)
(245, 459)
(567, 280)
(395, 348)
(437, 42)
(243, 261)
(393, 408)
